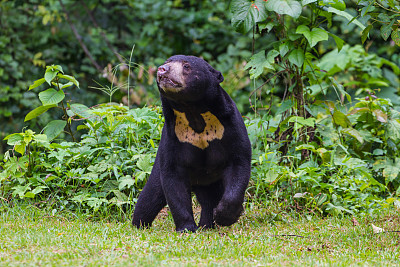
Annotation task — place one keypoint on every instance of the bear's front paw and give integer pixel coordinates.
(187, 228)
(140, 224)
(227, 216)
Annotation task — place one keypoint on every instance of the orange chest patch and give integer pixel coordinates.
(213, 130)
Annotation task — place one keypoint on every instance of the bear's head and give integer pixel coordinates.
(187, 78)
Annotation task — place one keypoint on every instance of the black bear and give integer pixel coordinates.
(204, 148)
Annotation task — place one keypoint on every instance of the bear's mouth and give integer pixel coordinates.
(166, 82)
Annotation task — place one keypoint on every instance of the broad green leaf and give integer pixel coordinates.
(365, 33)
(393, 129)
(285, 7)
(126, 182)
(339, 41)
(82, 127)
(306, 2)
(257, 64)
(341, 119)
(144, 163)
(338, 4)
(121, 196)
(29, 194)
(314, 36)
(306, 146)
(51, 97)
(324, 154)
(393, 65)
(20, 190)
(20, 147)
(346, 15)
(38, 189)
(357, 110)
(12, 139)
(38, 111)
(390, 168)
(266, 25)
(378, 152)
(390, 172)
(380, 115)
(396, 37)
(386, 30)
(69, 78)
(305, 122)
(27, 139)
(63, 86)
(245, 14)
(50, 75)
(354, 133)
(384, 17)
(140, 176)
(296, 57)
(54, 68)
(272, 55)
(283, 49)
(81, 198)
(54, 128)
(287, 104)
(37, 83)
(271, 176)
(377, 82)
(41, 138)
(81, 110)
(95, 202)
(293, 36)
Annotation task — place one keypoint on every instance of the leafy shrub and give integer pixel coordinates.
(105, 169)
(352, 165)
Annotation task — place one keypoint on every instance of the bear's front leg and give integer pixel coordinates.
(229, 209)
(177, 191)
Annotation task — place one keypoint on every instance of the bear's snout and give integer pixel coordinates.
(163, 69)
(170, 77)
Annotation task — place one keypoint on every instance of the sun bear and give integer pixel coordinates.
(204, 149)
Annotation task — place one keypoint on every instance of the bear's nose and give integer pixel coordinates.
(163, 69)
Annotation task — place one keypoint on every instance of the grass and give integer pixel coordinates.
(31, 237)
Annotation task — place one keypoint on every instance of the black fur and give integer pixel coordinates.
(217, 174)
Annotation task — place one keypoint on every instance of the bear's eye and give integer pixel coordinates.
(186, 66)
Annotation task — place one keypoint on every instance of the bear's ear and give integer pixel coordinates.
(217, 75)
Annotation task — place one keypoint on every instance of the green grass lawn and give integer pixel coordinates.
(29, 237)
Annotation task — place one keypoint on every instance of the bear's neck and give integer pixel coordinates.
(192, 113)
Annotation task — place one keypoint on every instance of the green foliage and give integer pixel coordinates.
(36, 34)
(318, 151)
(52, 98)
(352, 164)
(105, 169)
(325, 128)
(383, 13)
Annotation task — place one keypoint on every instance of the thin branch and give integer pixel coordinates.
(267, 81)
(79, 38)
(92, 18)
